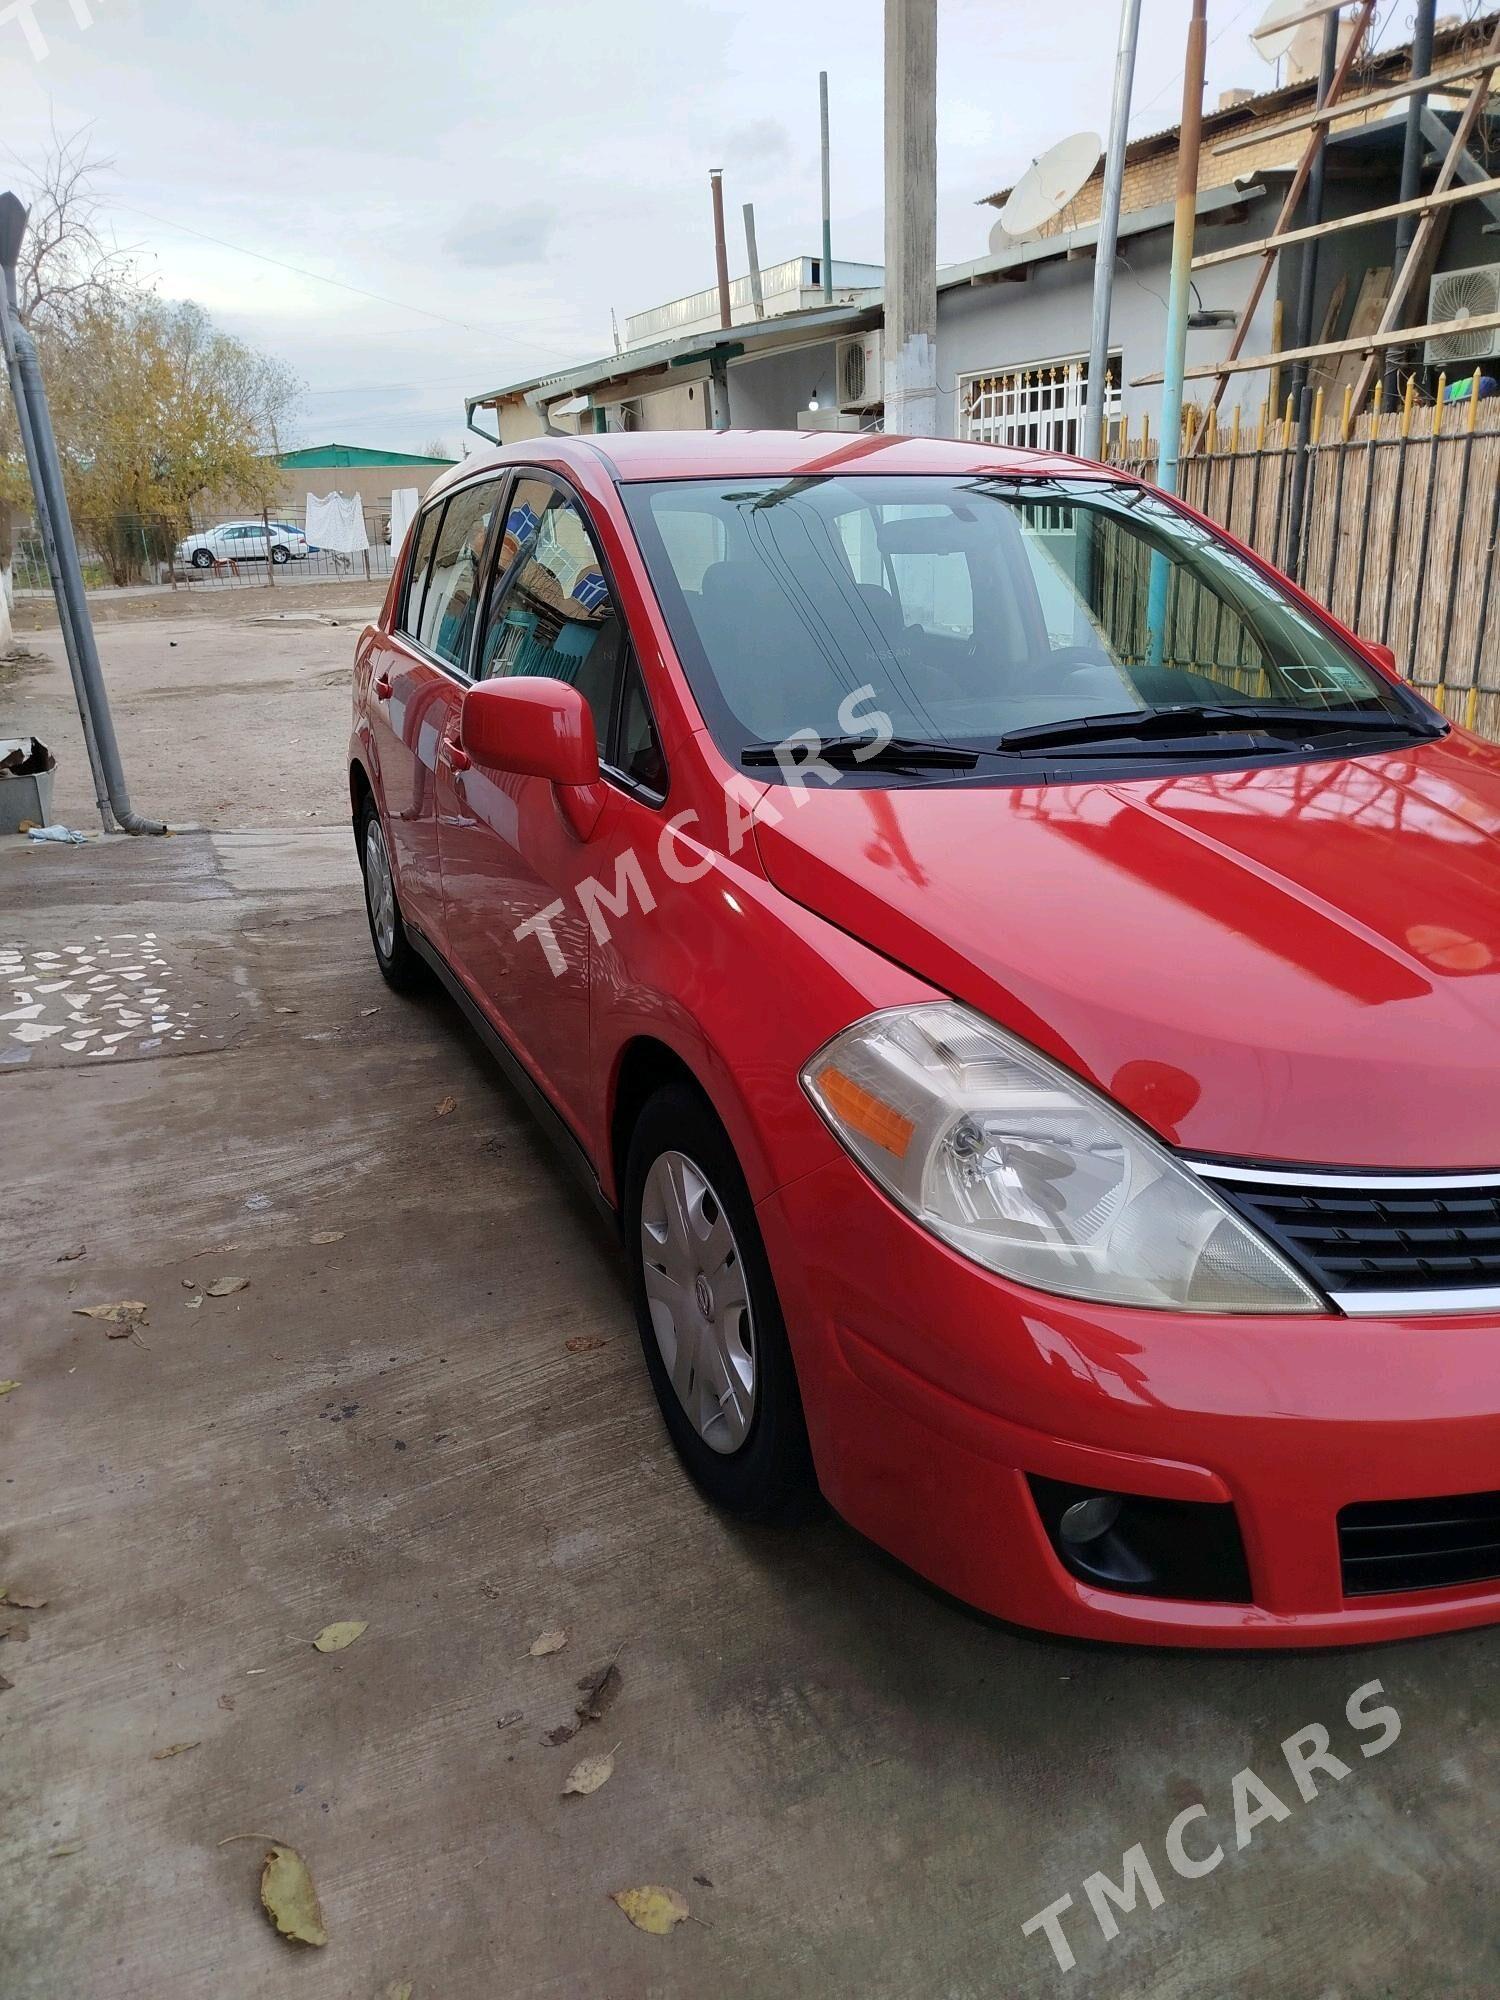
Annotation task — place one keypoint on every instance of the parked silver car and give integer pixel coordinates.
(242, 541)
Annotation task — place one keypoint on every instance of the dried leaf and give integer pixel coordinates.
(447, 1106)
(334, 1638)
(652, 1908)
(399, 1989)
(6, 1387)
(222, 1287)
(71, 1256)
(289, 1898)
(600, 1691)
(194, 1302)
(589, 1773)
(547, 1642)
(23, 1603)
(123, 1312)
(584, 1343)
(327, 1236)
(67, 1847)
(173, 1750)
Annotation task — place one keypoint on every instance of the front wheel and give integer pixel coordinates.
(710, 1323)
(400, 967)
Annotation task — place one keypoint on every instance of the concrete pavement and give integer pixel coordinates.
(860, 1788)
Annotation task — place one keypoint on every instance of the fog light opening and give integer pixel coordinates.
(1086, 1520)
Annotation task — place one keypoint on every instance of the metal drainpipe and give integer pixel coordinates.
(67, 581)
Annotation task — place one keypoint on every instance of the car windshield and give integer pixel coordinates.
(973, 608)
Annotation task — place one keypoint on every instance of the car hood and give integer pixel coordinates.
(1296, 963)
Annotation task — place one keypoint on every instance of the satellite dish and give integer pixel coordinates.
(1277, 28)
(1047, 185)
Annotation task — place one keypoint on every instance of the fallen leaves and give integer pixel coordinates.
(599, 1692)
(334, 1638)
(173, 1750)
(66, 1848)
(289, 1898)
(589, 1773)
(122, 1312)
(327, 1236)
(584, 1343)
(399, 1989)
(547, 1642)
(221, 1288)
(6, 1387)
(652, 1908)
(447, 1106)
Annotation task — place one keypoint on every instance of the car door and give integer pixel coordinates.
(511, 861)
(417, 679)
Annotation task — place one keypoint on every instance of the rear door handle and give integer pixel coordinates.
(382, 688)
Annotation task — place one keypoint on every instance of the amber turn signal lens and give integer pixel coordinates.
(866, 1112)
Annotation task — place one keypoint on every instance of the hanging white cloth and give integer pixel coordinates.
(403, 505)
(336, 521)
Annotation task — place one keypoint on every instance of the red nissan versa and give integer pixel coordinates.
(1027, 981)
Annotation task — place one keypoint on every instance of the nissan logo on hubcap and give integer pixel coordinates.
(704, 1296)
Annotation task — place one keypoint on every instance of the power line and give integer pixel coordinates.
(339, 284)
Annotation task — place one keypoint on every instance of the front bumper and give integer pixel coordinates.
(933, 1388)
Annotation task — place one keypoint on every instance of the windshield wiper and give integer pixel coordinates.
(864, 753)
(1210, 719)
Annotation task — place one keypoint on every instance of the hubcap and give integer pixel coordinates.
(700, 1308)
(380, 890)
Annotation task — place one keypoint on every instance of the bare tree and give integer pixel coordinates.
(67, 263)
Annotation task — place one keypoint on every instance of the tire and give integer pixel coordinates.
(280, 553)
(400, 967)
(203, 559)
(746, 1448)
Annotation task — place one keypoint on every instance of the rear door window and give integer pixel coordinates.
(449, 607)
(416, 577)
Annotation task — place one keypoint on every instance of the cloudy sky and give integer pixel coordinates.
(408, 203)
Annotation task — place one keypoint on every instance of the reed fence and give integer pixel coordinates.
(1398, 524)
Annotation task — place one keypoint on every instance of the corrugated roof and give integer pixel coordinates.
(320, 457)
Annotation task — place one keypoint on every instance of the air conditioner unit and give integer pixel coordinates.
(1460, 295)
(860, 364)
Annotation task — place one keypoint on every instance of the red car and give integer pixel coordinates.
(1019, 972)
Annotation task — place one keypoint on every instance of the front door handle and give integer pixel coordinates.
(458, 757)
(382, 688)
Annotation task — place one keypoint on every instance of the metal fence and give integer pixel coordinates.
(214, 552)
(1398, 526)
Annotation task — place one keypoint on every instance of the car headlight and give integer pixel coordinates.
(1017, 1163)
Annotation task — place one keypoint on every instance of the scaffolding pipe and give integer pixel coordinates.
(1109, 231)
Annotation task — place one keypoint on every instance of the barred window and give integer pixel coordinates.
(1039, 406)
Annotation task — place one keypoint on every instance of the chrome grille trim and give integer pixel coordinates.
(1395, 1181)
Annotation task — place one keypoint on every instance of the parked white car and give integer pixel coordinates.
(242, 541)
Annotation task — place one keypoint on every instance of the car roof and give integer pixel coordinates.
(643, 455)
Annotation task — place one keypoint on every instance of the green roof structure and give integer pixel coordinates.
(320, 457)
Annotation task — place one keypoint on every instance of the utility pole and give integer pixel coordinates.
(1179, 291)
(721, 249)
(1109, 230)
(1307, 285)
(757, 296)
(1414, 144)
(911, 217)
(827, 205)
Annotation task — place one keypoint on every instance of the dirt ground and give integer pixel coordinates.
(861, 1790)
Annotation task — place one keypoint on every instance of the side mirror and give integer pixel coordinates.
(1384, 654)
(536, 727)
